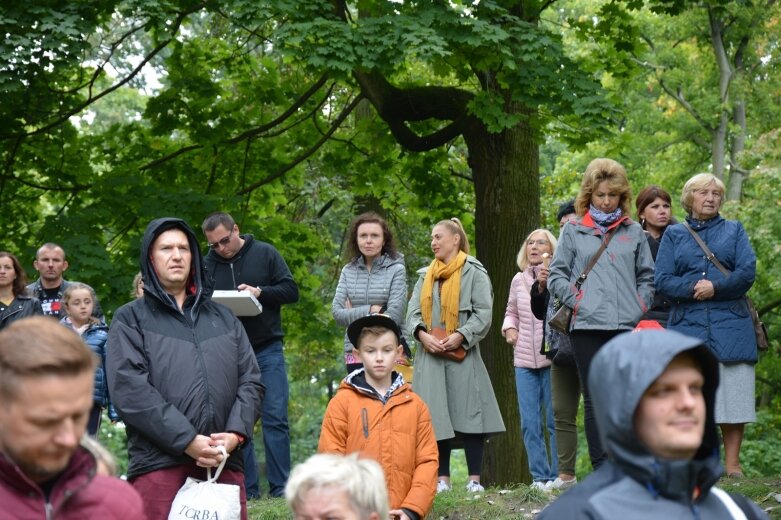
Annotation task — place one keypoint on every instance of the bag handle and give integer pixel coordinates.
(582, 278)
(219, 468)
(705, 249)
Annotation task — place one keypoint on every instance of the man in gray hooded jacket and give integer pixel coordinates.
(654, 393)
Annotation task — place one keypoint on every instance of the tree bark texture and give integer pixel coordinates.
(505, 169)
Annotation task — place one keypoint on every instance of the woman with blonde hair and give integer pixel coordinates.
(526, 334)
(709, 303)
(619, 287)
(449, 313)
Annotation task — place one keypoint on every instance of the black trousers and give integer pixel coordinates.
(586, 344)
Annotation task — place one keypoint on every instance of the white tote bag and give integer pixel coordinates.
(206, 499)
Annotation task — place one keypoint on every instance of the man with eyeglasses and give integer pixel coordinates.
(240, 262)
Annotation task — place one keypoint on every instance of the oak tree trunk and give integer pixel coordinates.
(505, 169)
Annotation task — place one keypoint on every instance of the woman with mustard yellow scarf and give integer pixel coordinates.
(449, 313)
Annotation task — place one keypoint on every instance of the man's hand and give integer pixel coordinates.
(511, 336)
(254, 290)
(228, 439)
(202, 449)
(398, 514)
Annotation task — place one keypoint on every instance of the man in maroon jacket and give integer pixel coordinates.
(46, 378)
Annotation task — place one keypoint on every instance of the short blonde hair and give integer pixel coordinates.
(362, 480)
(598, 171)
(522, 260)
(698, 182)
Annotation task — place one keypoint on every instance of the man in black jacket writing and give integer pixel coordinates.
(239, 262)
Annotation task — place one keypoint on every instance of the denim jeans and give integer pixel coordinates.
(535, 404)
(274, 423)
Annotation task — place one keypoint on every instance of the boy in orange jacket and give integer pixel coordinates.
(376, 414)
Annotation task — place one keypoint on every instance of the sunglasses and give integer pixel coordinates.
(222, 242)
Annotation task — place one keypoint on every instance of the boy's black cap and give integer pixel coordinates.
(371, 320)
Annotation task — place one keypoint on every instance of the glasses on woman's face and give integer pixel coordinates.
(222, 242)
(539, 242)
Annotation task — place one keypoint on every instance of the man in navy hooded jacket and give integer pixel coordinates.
(181, 373)
(654, 392)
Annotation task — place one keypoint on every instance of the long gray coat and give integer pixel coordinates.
(459, 396)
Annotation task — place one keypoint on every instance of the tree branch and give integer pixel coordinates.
(307, 153)
(679, 97)
(398, 106)
(133, 73)
(249, 134)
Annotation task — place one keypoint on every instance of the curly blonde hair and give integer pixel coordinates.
(598, 171)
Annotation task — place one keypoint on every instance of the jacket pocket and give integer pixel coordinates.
(739, 308)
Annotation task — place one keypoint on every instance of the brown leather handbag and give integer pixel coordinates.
(457, 355)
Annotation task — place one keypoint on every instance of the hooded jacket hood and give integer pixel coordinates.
(619, 376)
(195, 280)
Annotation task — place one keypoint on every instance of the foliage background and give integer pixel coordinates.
(115, 112)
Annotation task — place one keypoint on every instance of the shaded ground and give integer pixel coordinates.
(522, 502)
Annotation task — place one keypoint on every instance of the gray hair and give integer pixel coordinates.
(698, 182)
(362, 480)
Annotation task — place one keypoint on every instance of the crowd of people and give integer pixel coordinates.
(190, 379)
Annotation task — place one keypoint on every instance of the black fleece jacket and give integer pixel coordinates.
(257, 264)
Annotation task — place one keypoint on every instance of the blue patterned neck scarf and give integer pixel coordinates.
(602, 219)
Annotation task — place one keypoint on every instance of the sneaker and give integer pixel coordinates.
(561, 484)
(539, 484)
(474, 487)
(442, 486)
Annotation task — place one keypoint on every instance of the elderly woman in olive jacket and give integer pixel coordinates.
(459, 395)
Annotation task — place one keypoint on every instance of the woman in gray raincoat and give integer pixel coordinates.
(454, 293)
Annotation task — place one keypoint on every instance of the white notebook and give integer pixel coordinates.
(242, 303)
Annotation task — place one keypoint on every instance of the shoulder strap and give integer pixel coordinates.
(727, 499)
(582, 278)
(708, 253)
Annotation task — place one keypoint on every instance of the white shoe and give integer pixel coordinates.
(538, 484)
(474, 487)
(442, 486)
(561, 484)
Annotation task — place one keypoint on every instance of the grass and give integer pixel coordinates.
(522, 502)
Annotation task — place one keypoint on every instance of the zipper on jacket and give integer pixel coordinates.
(365, 421)
(233, 276)
(205, 375)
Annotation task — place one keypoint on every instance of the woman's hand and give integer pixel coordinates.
(374, 309)
(542, 279)
(703, 290)
(429, 342)
(435, 346)
(347, 303)
(511, 336)
(452, 342)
